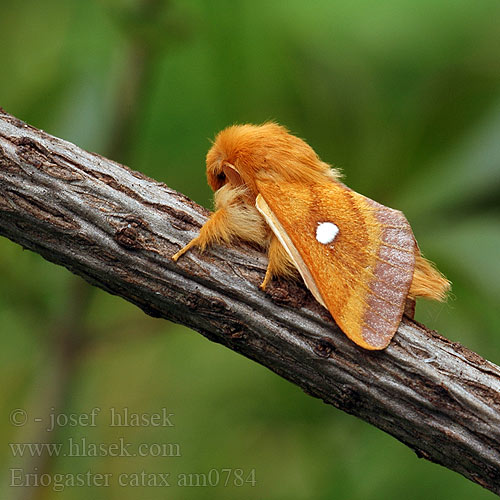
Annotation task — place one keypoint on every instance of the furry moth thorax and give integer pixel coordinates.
(245, 154)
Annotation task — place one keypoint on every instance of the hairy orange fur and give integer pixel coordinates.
(427, 281)
(246, 161)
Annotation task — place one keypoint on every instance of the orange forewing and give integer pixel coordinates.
(363, 276)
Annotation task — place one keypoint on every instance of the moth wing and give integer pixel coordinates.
(363, 275)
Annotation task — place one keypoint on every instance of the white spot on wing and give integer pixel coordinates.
(326, 232)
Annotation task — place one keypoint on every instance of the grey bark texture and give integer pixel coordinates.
(118, 229)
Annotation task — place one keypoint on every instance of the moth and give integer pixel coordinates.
(358, 258)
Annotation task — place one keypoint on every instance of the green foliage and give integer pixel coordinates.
(404, 96)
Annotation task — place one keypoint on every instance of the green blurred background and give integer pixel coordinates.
(404, 96)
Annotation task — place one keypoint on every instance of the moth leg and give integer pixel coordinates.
(410, 308)
(182, 251)
(279, 263)
(215, 230)
(267, 279)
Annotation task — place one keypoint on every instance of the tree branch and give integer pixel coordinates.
(118, 229)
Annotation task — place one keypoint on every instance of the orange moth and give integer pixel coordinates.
(358, 258)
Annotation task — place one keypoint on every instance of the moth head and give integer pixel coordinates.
(220, 173)
(223, 159)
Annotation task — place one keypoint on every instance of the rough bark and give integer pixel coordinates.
(118, 229)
